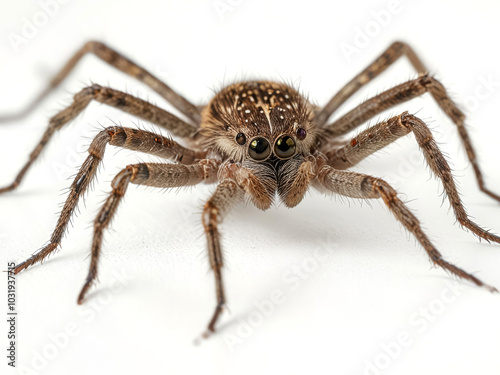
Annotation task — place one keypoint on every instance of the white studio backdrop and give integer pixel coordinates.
(329, 287)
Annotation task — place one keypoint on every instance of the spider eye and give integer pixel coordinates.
(301, 134)
(259, 149)
(241, 139)
(284, 147)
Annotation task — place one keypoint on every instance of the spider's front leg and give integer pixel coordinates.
(384, 133)
(132, 139)
(148, 174)
(237, 181)
(224, 197)
(357, 185)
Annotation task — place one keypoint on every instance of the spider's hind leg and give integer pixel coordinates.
(357, 185)
(378, 66)
(386, 132)
(120, 62)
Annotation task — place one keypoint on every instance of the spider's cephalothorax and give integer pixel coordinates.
(255, 139)
(268, 128)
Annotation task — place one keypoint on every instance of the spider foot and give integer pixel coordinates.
(454, 270)
(88, 283)
(10, 187)
(83, 292)
(492, 289)
(480, 283)
(205, 335)
(35, 258)
(211, 326)
(480, 232)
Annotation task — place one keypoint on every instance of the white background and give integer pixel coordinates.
(372, 284)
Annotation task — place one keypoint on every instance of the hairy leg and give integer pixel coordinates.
(120, 62)
(400, 94)
(356, 185)
(225, 196)
(133, 139)
(114, 98)
(394, 52)
(384, 133)
(148, 174)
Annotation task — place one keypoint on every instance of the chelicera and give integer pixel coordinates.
(256, 140)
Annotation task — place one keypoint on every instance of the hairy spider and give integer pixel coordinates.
(255, 139)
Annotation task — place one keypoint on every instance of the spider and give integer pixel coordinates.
(256, 140)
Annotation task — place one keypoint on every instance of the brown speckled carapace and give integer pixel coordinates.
(256, 140)
(256, 109)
